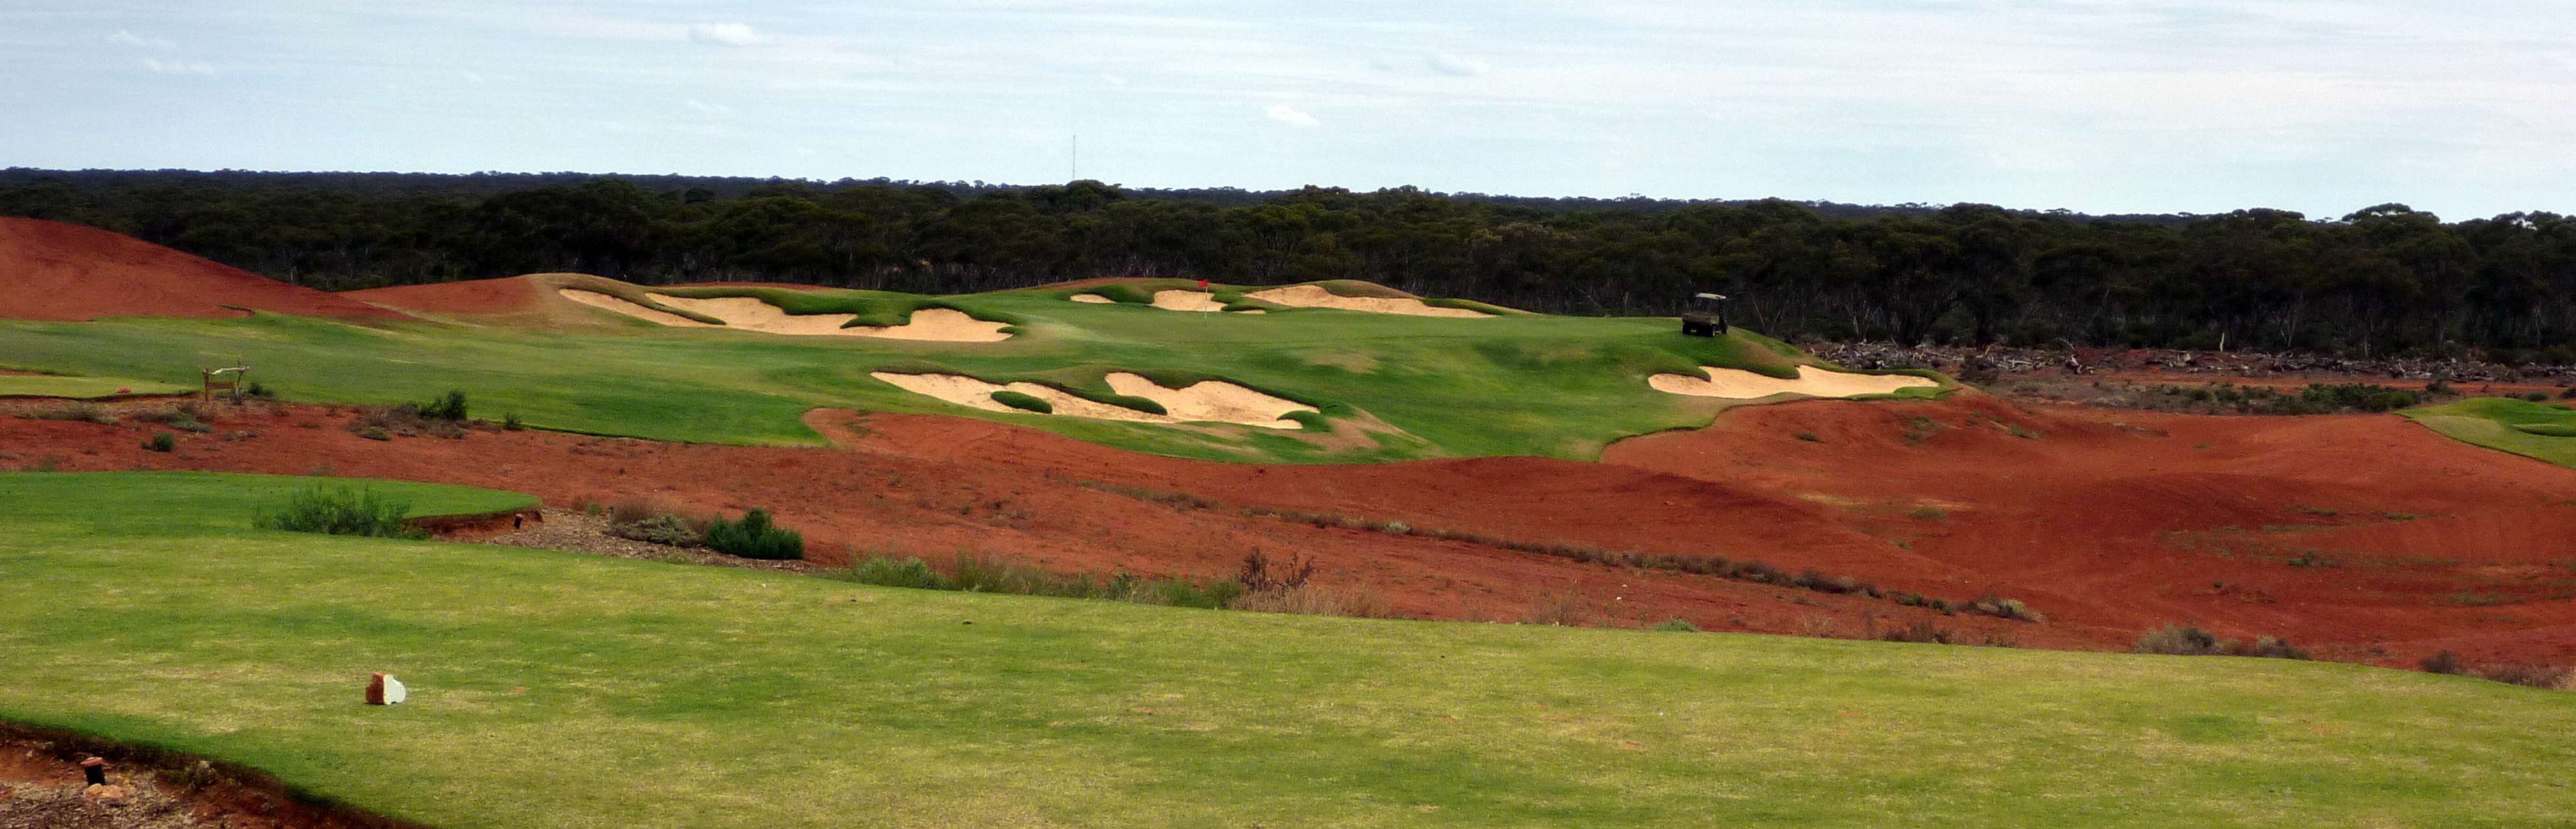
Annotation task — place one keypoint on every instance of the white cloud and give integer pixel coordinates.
(126, 38)
(1285, 114)
(1448, 64)
(727, 34)
(179, 67)
(710, 109)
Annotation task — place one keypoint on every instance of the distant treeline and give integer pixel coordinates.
(2382, 280)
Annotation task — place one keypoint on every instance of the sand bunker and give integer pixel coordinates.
(752, 314)
(1092, 299)
(1734, 384)
(597, 299)
(1214, 400)
(1314, 296)
(1209, 401)
(1187, 301)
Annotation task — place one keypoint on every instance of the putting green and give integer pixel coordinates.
(560, 690)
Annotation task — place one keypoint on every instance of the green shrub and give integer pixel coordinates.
(754, 537)
(374, 433)
(1809, 437)
(510, 422)
(341, 511)
(1675, 625)
(450, 407)
(161, 442)
(2536, 397)
(84, 412)
(1023, 402)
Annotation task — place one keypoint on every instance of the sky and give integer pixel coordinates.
(2465, 108)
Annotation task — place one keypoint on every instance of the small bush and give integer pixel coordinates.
(374, 433)
(668, 529)
(1023, 402)
(1923, 630)
(2536, 676)
(2536, 397)
(2444, 662)
(1395, 528)
(1675, 625)
(2192, 641)
(341, 511)
(1262, 575)
(510, 422)
(1809, 437)
(450, 407)
(754, 537)
(2178, 641)
(1928, 513)
(161, 442)
(2004, 609)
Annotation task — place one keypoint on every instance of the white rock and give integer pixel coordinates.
(394, 691)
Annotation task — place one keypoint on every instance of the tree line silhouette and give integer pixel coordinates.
(2383, 280)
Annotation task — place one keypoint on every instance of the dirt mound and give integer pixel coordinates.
(56, 271)
(507, 295)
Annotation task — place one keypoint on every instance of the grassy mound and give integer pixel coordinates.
(556, 689)
(1393, 387)
(2539, 430)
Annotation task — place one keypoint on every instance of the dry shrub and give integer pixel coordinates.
(1552, 608)
(1316, 600)
(1923, 630)
(2552, 677)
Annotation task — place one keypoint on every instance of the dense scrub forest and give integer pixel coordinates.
(2385, 279)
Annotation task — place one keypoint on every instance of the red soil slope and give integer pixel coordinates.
(2364, 537)
(507, 295)
(2366, 530)
(56, 271)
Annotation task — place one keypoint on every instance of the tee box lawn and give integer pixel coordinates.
(555, 689)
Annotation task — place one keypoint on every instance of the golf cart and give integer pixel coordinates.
(1706, 317)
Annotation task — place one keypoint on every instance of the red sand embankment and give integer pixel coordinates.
(2366, 530)
(57, 271)
(507, 295)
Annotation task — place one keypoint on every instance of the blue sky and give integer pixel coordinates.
(2464, 108)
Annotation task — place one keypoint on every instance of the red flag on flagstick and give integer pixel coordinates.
(1203, 284)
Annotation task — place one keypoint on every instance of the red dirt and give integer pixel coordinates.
(56, 271)
(507, 295)
(2110, 522)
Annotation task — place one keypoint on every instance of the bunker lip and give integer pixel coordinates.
(1207, 401)
(596, 299)
(1315, 296)
(1738, 384)
(1202, 301)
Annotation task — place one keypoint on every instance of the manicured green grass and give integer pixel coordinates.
(1519, 384)
(82, 388)
(2491, 422)
(555, 689)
